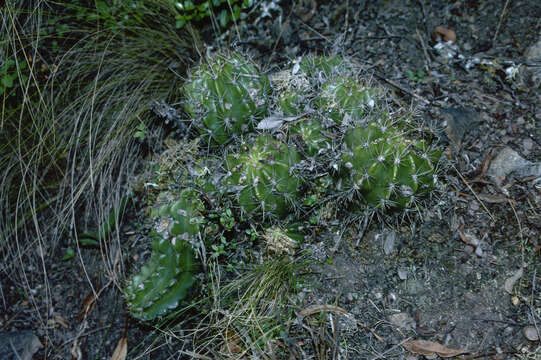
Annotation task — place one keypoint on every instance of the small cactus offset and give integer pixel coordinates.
(226, 96)
(343, 97)
(169, 274)
(310, 133)
(263, 176)
(385, 168)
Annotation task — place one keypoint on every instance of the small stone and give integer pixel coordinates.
(508, 161)
(528, 145)
(530, 333)
(515, 300)
(18, 345)
(402, 273)
(402, 320)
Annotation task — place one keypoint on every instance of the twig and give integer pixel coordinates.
(500, 22)
(427, 65)
(475, 194)
(489, 353)
(401, 88)
(379, 338)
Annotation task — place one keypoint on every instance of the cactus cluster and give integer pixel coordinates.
(225, 97)
(169, 274)
(336, 137)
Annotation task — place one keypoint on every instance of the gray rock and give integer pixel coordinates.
(508, 162)
(533, 54)
(459, 121)
(18, 345)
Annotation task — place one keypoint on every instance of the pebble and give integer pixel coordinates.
(18, 345)
(528, 145)
(402, 320)
(530, 333)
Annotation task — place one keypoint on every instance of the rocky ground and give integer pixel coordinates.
(465, 275)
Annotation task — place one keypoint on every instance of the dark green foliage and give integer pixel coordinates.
(225, 96)
(263, 176)
(197, 10)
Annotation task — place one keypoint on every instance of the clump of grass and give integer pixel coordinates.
(249, 314)
(67, 148)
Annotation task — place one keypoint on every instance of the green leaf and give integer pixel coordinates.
(69, 254)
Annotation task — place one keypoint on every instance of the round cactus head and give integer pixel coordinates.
(225, 96)
(263, 176)
(384, 167)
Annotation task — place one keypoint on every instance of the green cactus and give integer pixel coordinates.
(226, 96)
(322, 68)
(310, 133)
(386, 168)
(343, 97)
(296, 86)
(263, 175)
(169, 274)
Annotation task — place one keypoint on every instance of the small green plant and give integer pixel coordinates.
(263, 175)
(224, 10)
(416, 76)
(343, 97)
(13, 73)
(225, 96)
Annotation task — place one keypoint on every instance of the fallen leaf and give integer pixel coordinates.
(88, 306)
(441, 33)
(314, 309)
(232, 343)
(75, 351)
(121, 350)
(424, 347)
(510, 282)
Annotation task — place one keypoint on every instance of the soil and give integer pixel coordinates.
(442, 277)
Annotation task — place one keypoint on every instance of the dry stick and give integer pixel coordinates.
(427, 65)
(401, 88)
(500, 22)
(474, 193)
(379, 338)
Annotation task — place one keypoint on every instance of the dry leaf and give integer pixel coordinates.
(510, 282)
(75, 351)
(232, 344)
(121, 350)
(88, 306)
(314, 309)
(424, 347)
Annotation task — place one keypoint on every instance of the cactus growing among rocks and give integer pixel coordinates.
(263, 176)
(384, 167)
(225, 96)
(169, 274)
